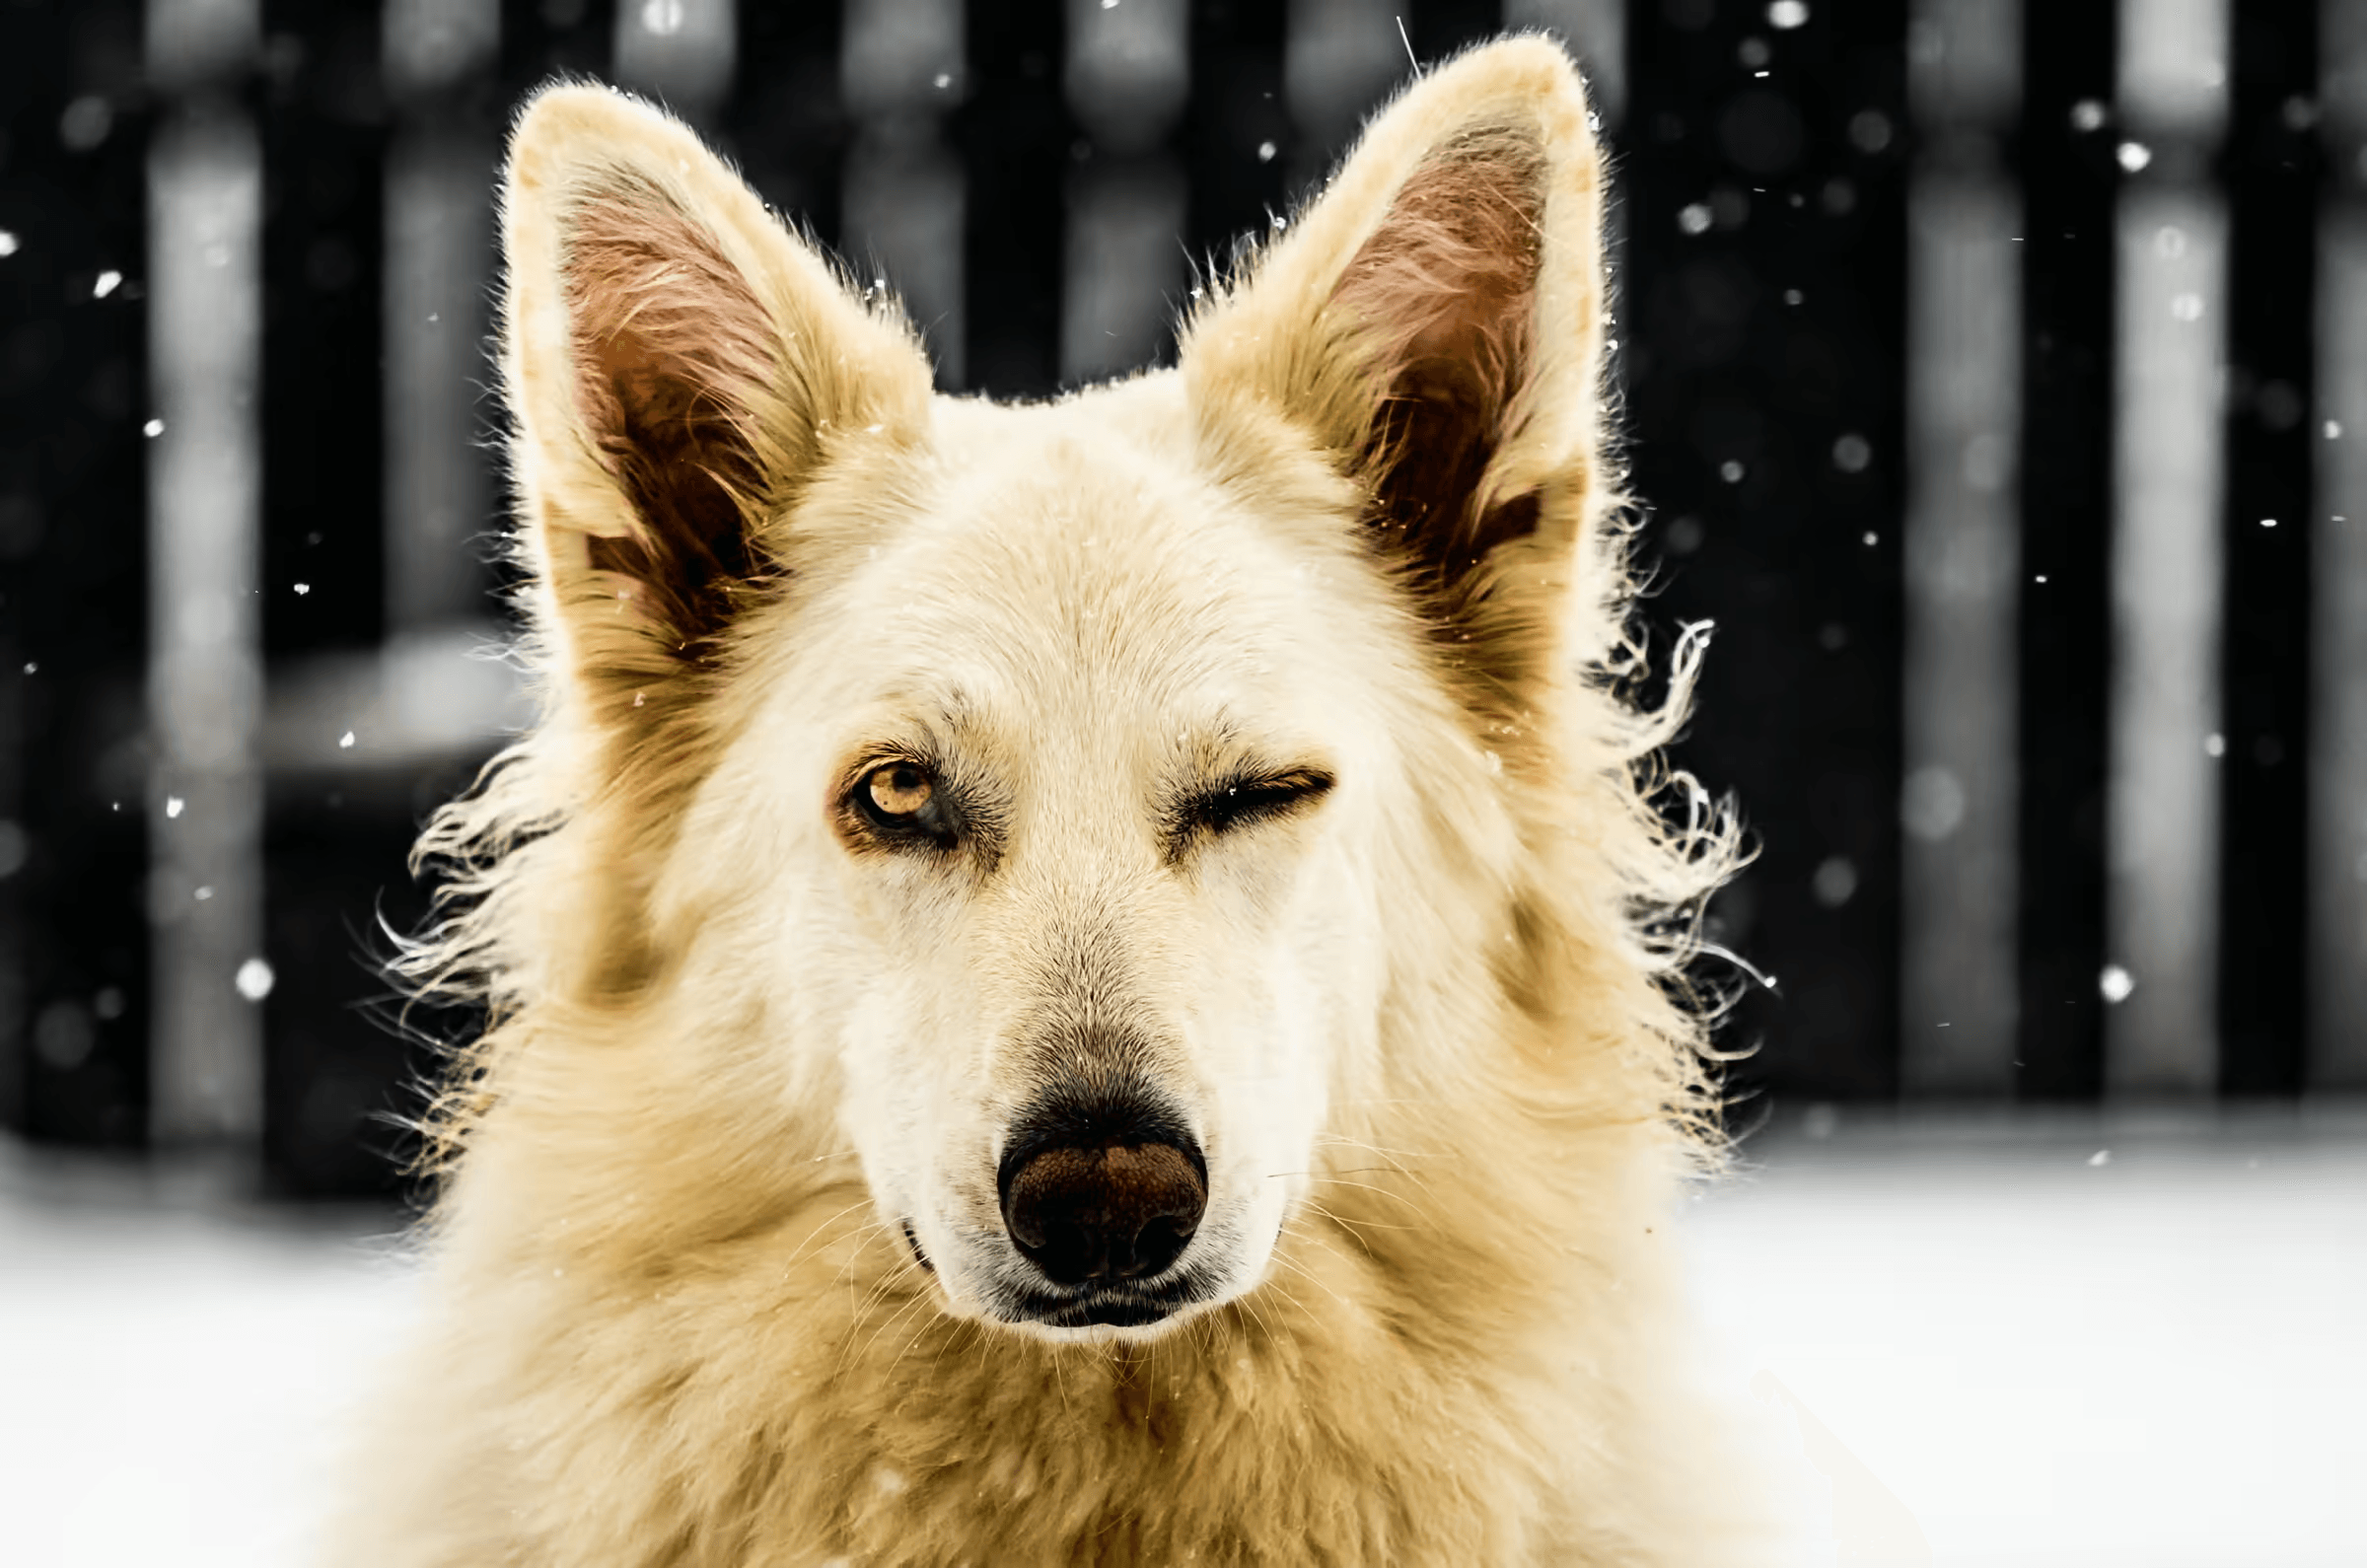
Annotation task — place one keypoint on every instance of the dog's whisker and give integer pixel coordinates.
(1379, 1191)
(813, 1237)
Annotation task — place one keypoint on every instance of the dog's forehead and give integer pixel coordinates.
(1072, 554)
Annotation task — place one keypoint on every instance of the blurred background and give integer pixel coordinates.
(1997, 382)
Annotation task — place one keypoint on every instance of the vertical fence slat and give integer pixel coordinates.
(1016, 142)
(2271, 179)
(1127, 75)
(1237, 132)
(205, 670)
(75, 950)
(1342, 57)
(2069, 175)
(680, 52)
(2168, 564)
(2337, 1050)
(785, 124)
(1958, 993)
(904, 209)
(438, 254)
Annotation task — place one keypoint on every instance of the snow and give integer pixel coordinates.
(2053, 1358)
(255, 979)
(2046, 1360)
(176, 1376)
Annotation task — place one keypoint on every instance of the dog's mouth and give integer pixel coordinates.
(1095, 1303)
(1122, 1304)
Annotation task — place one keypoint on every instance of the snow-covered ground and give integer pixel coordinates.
(2156, 1360)
(2136, 1341)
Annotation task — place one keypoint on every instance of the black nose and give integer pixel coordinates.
(1103, 1192)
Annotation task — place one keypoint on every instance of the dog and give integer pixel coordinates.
(1092, 983)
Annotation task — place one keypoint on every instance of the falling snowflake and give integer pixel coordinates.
(255, 979)
(2115, 983)
(346, 741)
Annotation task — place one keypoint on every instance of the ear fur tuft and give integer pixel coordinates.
(1433, 323)
(1443, 296)
(673, 360)
(679, 367)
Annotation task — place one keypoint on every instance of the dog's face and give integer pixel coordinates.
(1031, 766)
(1060, 738)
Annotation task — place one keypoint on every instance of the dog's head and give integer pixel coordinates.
(1075, 800)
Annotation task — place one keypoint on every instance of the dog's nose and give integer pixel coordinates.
(1103, 1203)
(1117, 1211)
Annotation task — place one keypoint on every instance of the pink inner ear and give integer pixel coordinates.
(1446, 289)
(671, 348)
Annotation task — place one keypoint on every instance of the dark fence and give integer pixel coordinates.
(1910, 296)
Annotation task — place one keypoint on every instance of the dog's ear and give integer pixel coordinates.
(1434, 321)
(678, 366)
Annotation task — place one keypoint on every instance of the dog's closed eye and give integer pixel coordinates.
(1248, 799)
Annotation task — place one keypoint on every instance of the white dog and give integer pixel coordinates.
(1092, 983)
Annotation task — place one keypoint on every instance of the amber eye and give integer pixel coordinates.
(903, 805)
(898, 789)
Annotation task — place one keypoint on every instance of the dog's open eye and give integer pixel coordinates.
(901, 801)
(1253, 798)
(899, 789)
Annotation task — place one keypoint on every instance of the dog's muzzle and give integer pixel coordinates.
(1102, 1196)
